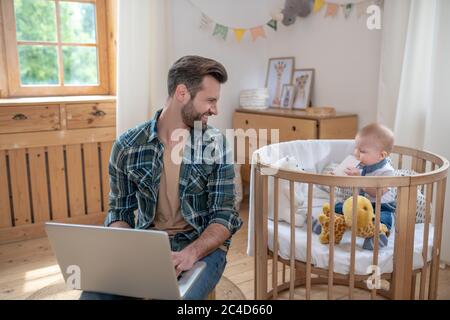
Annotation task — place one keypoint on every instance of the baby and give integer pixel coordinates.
(373, 144)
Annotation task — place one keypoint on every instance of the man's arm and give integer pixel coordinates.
(122, 198)
(212, 238)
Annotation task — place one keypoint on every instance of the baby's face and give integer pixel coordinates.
(367, 151)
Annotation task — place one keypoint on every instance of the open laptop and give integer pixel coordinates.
(127, 262)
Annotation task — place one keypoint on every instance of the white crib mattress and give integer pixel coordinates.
(363, 258)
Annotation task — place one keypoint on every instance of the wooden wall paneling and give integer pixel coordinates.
(19, 187)
(39, 185)
(75, 180)
(58, 190)
(5, 208)
(92, 177)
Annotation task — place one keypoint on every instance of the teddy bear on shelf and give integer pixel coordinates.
(365, 217)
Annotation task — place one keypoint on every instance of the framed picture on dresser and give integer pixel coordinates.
(303, 83)
(279, 73)
(287, 96)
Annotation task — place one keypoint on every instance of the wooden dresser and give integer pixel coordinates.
(292, 125)
(54, 155)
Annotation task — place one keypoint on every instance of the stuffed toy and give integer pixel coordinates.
(294, 8)
(339, 225)
(365, 218)
(284, 209)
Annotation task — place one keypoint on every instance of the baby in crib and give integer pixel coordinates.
(373, 144)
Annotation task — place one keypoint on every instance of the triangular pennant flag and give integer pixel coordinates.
(347, 8)
(239, 33)
(361, 9)
(257, 32)
(318, 4)
(273, 24)
(332, 9)
(221, 31)
(205, 22)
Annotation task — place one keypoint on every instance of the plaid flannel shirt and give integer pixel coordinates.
(206, 189)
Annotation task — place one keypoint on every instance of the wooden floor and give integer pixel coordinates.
(30, 265)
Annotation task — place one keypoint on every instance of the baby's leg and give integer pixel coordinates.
(338, 208)
(385, 227)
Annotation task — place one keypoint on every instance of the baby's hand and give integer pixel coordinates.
(352, 172)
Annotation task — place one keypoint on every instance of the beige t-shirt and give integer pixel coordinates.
(168, 211)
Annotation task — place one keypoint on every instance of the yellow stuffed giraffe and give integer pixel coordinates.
(364, 216)
(339, 225)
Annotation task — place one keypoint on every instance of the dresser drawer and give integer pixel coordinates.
(29, 118)
(289, 128)
(91, 115)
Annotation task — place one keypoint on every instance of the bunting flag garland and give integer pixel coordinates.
(273, 24)
(360, 9)
(332, 9)
(318, 4)
(221, 31)
(239, 33)
(205, 22)
(347, 8)
(257, 32)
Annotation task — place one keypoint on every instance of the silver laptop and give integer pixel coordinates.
(127, 262)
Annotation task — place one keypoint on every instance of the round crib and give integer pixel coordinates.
(403, 277)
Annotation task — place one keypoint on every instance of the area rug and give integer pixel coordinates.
(225, 290)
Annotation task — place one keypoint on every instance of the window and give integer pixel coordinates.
(55, 47)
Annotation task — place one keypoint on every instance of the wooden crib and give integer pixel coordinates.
(405, 282)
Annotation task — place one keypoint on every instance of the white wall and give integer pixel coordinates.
(133, 69)
(437, 127)
(344, 52)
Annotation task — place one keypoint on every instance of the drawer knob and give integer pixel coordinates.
(20, 116)
(294, 128)
(98, 113)
(246, 121)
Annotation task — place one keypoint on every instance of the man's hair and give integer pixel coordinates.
(382, 135)
(190, 71)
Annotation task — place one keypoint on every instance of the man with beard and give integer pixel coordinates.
(151, 169)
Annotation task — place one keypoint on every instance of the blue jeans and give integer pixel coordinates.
(205, 283)
(386, 212)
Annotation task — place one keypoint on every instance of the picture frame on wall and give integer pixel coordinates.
(287, 96)
(303, 80)
(279, 73)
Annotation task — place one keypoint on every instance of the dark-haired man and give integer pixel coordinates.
(159, 168)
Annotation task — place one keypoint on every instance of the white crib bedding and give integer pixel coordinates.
(363, 258)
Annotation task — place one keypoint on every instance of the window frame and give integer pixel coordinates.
(16, 89)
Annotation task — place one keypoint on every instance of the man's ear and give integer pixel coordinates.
(182, 94)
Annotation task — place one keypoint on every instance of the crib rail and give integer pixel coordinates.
(402, 282)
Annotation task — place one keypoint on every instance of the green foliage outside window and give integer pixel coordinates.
(39, 63)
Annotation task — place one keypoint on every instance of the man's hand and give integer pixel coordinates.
(211, 239)
(352, 172)
(183, 260)
(119, 224)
